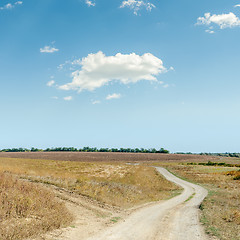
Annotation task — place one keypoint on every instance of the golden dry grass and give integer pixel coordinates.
(28, 210)
(116, 184)
(220, 210)
(235, 174)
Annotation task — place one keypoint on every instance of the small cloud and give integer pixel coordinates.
(18, 3)
(166, 85)
(48, 49)
(90, 3)
(228, 20)
(62, 65)
(68, 98)
(10, 5)
(209, 31)
(7, 6)
(98, 70)
(137, 5)
(113, 96)
(50, 83)
(96, 102)
(54, 97)
(238, 5)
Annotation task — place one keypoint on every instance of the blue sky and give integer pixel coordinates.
(120, 74)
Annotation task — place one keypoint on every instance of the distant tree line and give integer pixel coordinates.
(227, 154)
(87, 149)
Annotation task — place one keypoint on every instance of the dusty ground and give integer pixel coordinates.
(174, 219)
(91, 217)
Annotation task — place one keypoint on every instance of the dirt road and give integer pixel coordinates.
(175, 219)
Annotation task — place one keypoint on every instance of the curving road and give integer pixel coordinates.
(174, 219)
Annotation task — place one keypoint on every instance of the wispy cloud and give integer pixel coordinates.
(209, 31)
(113, 96)
(166, 85)
(137, 5)
(90, 3)
(228, 20)
(68, 98)
(98, 70)
(11, 5)
(237, 5)
(48, 49)
(96, 102)
(50, 83)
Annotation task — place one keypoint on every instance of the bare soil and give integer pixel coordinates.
(109, 156)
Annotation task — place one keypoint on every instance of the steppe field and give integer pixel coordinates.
(76, 195)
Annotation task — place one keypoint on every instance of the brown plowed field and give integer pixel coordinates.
(106, 157)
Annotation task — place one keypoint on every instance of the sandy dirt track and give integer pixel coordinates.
(174, 219)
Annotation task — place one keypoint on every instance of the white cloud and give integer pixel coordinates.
(238, 5)
(48, 49)
(90, 3)
(113, 96)
(137, 5)
(50, 83)
(222, 20)
(166, 85)
(66, 63)
(10, 5)
(209, 31)
(68, 98)
(98, 70)
(96, 102)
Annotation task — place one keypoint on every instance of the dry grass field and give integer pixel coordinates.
(116, 184)
(27, 209)
(221, 208)
(106, 178)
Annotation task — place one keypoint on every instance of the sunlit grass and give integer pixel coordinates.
(27, 209)
(112, 183)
